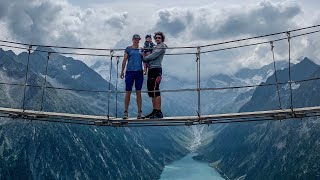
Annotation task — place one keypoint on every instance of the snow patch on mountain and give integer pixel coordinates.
(76, 76)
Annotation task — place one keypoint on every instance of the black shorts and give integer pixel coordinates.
(154, 79)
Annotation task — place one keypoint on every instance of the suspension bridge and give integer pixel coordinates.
(114, 121)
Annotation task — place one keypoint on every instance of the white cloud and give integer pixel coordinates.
(60, 23)
(174, 20)
(210, 23)
(117, 21)
(263, 18)
(204, 25)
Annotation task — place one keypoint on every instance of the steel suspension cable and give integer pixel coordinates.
(214, 50)
(258, 43)
(290, 80)
(198, 80)
(26, 80)
(45, 81)
(275, 74)
(168, 90)
(117, 85)
(109, 87)
(181, 47)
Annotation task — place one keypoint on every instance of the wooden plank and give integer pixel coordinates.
(53, 114)
(280, 114)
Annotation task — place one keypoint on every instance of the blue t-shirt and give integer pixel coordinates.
(134, 59)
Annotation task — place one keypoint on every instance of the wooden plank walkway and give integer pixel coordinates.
(166, 121)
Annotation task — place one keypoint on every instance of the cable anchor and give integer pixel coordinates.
(29, 48)
(118, 59)
(272, 46)
(198, 54)
(288, 35)
(111, 52)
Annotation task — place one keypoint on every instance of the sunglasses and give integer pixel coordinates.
(158, 37)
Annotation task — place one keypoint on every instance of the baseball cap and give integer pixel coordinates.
(148, 36)
(136, 36)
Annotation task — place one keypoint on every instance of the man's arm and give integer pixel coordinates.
(124, 62)
(153, 55)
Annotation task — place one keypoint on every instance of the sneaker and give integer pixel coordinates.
(151, 114)
(125, 115)
(140, 115)
(157, 115)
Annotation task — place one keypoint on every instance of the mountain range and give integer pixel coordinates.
(44, 150)
(272, 150)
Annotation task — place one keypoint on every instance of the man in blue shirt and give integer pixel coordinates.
(132, 61)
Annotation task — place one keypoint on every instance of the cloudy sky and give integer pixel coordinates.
(111, 24)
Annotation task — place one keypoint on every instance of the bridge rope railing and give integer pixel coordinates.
(177, 47)
(169, 54)
(166, 90)
(197, 53)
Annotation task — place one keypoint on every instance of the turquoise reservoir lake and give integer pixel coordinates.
(188, 168)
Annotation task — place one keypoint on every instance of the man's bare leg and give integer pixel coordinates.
(127, 101)
(139, 100)
(154, 103)
(158, 103)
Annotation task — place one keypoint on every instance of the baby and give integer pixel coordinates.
(147, 49)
